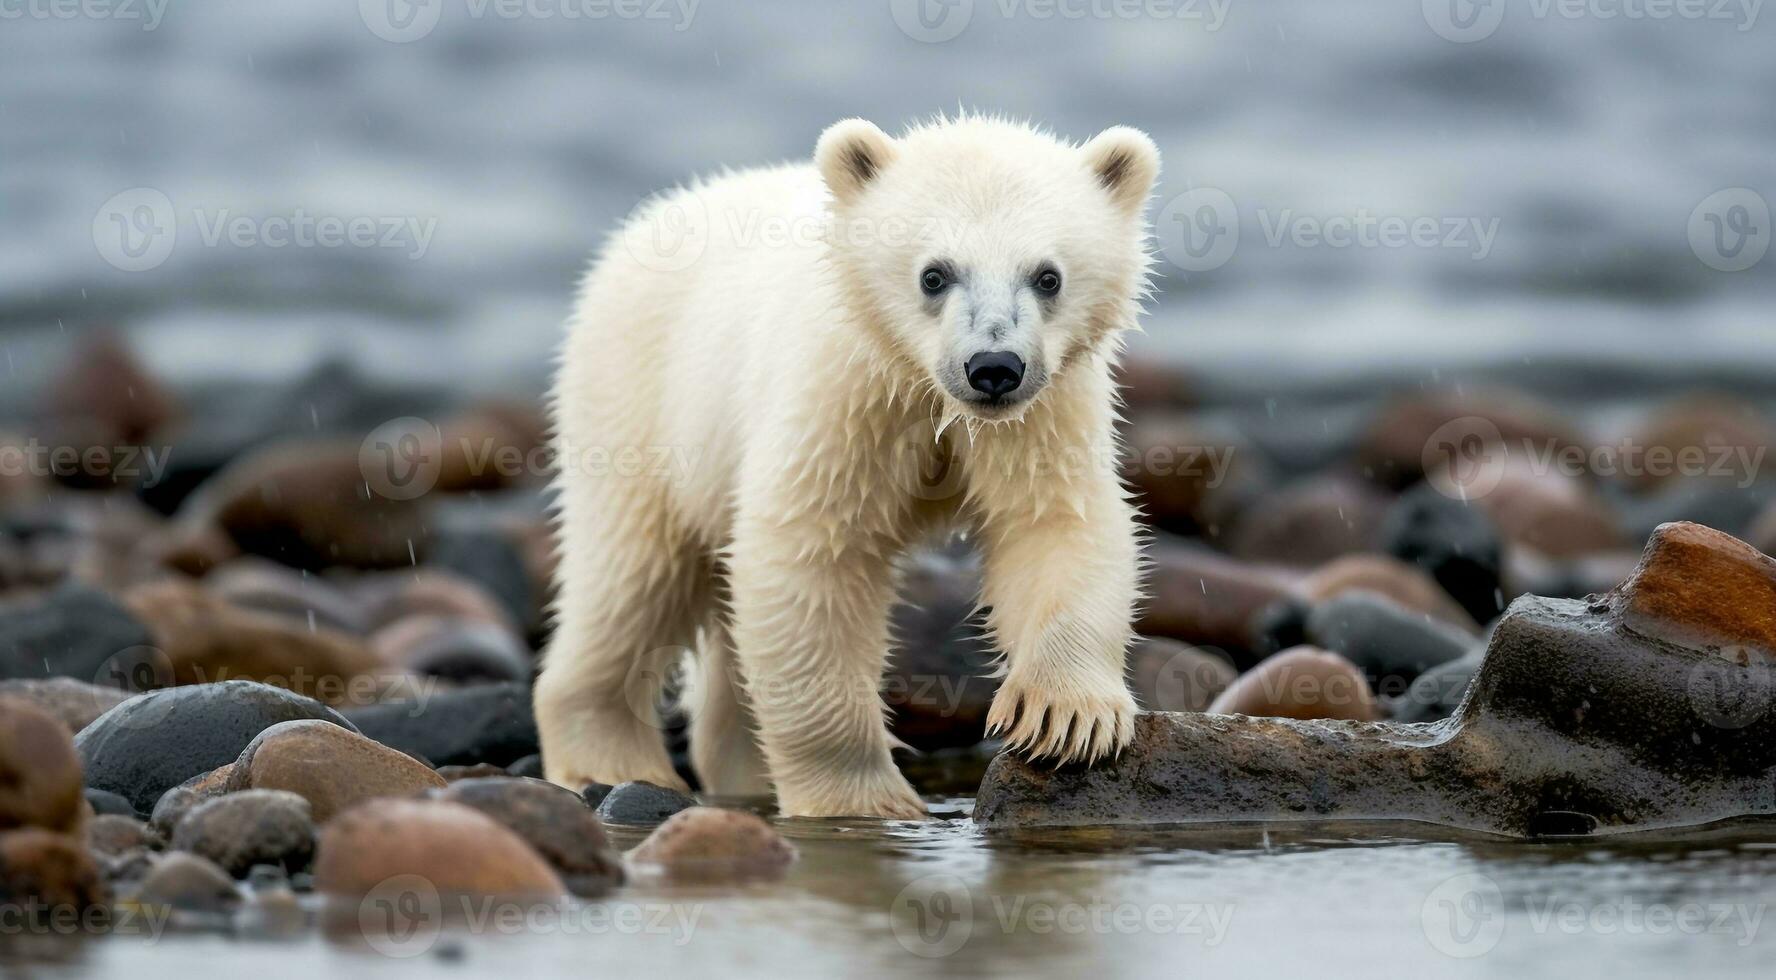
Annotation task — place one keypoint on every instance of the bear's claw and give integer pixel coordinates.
(1060, 725)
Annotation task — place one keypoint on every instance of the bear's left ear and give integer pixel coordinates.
(1126, 163)
(850, 154)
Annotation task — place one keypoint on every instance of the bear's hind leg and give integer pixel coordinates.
(624, 622)
(724, 735)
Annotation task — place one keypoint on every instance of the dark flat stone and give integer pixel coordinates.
(641, 803)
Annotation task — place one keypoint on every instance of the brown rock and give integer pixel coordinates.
(328, 766)
(705, 844)
(257, 585)
(1310, 522)
(183, 798)
(113, 835)
(254, 826)
(1191, 477)
(304, 504)
(48, 869)
(205, 640)
(392, 596)
(1150, 385)
(1406, 584)
(40, 776)
(184, 882)
(1692, 431)
(1205, 598)
(107, 386)
(73, 702)
(1702, 589)
(1558, 515)
(556, 822)
(1405, 434)
(455, 848)
(461, 650)
(1166, 675)
(1302, 682)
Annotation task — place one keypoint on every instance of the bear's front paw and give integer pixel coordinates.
(1061, 720)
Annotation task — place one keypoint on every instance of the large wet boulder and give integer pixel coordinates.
(1653, 706)
(153, 742)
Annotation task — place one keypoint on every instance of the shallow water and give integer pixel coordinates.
(893, 899)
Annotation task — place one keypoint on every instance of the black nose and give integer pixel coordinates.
(995, 372)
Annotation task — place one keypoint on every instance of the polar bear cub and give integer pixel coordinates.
(844, 357)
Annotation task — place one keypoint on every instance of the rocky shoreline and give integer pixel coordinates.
(265, 669)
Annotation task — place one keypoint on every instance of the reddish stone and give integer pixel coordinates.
(1301, 682)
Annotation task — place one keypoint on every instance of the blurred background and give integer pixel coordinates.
(503, 140)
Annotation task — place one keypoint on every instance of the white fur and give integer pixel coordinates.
(788, 357)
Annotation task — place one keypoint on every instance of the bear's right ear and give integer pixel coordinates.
(849, 155)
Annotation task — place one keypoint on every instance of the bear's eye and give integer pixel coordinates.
(1048, 282)
(933, 281)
